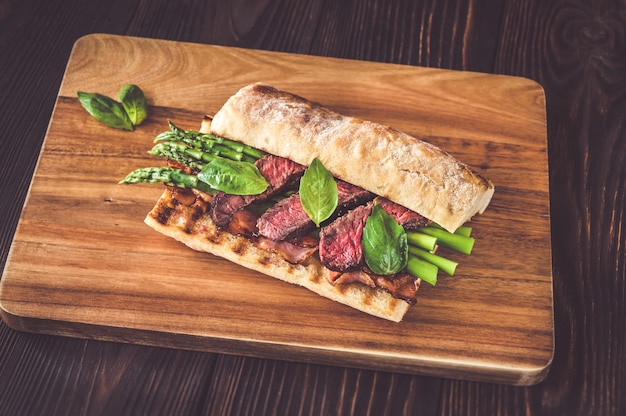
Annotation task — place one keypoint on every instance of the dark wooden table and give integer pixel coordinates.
(575, 49)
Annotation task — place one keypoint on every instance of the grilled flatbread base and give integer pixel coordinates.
(192, 225)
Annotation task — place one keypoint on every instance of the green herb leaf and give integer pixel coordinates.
(106, 110)
(134, 102)
(385, 244)
(233, 177)
(318, 192)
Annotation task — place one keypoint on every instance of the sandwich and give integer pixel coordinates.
(285, 186)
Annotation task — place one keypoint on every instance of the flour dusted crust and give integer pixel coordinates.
(194, 227)
(378, 158)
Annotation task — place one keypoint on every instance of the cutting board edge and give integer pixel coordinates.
(95, 35)
(472, 371)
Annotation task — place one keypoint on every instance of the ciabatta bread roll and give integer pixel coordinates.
(383, 160)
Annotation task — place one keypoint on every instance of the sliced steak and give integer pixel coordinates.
(285, 220)
(288, 219)
(282, 175)
(408, 219)
(280, 172)
(350, 196)
(340, 241)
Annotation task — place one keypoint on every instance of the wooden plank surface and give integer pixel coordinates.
(83, 263)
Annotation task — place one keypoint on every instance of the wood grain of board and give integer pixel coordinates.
(83, 263)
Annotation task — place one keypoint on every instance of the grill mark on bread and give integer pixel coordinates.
(239, 247)
(198, 212)
(368, 298)
(215, 237)
(316, 278)
(164, 215)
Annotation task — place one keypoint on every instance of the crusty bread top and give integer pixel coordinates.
(378, 158)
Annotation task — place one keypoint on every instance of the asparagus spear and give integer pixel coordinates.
(210, 143)
(447, 265)
(425, 264)
(191, 149)
(169, 176)
(425, 241)
(422, 269)
(179, 152)
(458, 242)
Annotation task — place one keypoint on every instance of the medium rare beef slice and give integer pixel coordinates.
(408, 219)
(340, 241)
(350, 196)
(282, 175)
(288, 219)
(285, 220)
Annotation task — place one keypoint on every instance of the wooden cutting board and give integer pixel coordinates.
(83, 263)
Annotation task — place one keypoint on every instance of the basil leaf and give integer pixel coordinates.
(233, 177)
(134, 102)
(105, 110)
(385, 245)
(318, 192)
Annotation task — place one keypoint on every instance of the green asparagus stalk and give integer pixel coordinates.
(447, 265)
(249, 151)
(190, 137)
(422, 269)
(210, 143)
(204, 145)
(456, 242)
(462, 230)
(169, 176)
(421, 240)
(193, 150)
(181, 153)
